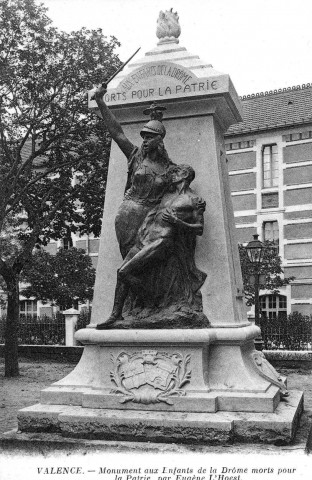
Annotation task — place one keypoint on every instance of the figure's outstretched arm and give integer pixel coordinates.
(112, 124)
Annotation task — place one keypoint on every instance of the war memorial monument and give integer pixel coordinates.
(169, 355)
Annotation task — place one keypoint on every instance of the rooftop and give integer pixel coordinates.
(275, 109)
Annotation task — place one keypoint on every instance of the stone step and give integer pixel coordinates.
(132, 425)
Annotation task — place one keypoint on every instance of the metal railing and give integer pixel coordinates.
(287, 333)
(279, 340)
(283, 333)
(38, 330)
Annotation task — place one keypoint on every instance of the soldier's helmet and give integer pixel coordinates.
(154, 126)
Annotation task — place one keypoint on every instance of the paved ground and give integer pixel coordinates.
(23, 391)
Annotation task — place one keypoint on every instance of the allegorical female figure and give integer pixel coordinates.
(156, 227)
(147, 174)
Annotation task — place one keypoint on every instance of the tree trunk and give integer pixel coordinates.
(11, 330)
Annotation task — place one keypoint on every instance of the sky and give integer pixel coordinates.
(263, 44)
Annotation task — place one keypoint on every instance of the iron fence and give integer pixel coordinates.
(279, 340)
(287, 333)
(283, 333)
(38, 330)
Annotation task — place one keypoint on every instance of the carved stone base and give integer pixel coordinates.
(144, 400)
(209, 428)
(160, 383)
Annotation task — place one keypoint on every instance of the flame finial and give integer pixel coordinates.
(168, 27)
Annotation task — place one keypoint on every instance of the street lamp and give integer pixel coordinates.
(255, 250)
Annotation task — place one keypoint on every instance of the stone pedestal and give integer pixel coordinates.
(180, 385)
(191, 385)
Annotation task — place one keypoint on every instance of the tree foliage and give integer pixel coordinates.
(62, 279)
(47, 132)
(47, 135)
(271, 270)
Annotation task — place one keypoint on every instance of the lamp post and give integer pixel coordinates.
(255, 250)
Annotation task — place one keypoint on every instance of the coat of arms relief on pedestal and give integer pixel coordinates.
(149, 376)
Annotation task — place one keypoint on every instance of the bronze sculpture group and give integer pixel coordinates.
(156, 228)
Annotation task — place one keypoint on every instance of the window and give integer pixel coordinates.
(271, 232)
(273, 305)
(269, 166)
(28, 308)
(67, 243)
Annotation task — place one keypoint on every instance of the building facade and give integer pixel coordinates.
(270, 167)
